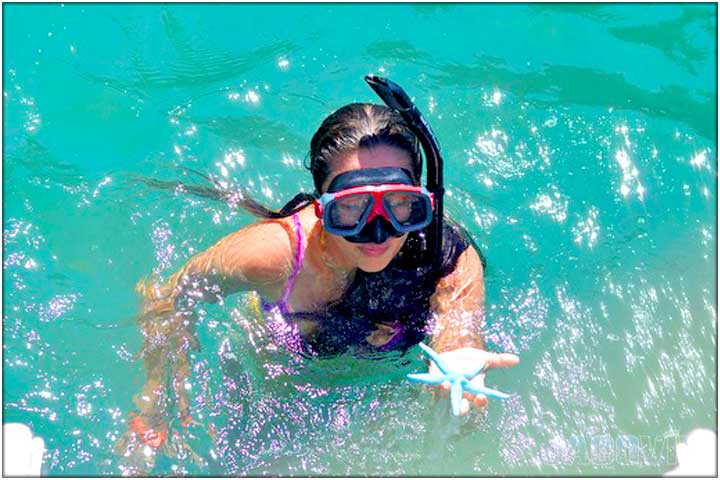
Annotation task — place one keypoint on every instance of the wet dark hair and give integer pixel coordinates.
(360, 125)
(354, 126)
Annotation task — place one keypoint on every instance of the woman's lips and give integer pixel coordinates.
(374, 249)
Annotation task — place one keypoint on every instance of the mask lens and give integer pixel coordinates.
(346, 213)
(409, 209)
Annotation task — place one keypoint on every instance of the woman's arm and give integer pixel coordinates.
(459, 306)
(257, 257)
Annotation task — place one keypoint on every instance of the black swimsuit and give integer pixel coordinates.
(380, 311)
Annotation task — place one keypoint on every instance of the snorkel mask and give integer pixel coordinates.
(395, 97)
(370, 205)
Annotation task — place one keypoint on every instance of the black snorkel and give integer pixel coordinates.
(395, 97)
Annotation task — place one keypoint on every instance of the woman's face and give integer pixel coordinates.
(369, 257)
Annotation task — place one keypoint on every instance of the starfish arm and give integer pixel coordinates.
(456, 395)
(435, 357)
(429, 378)
(488, 392)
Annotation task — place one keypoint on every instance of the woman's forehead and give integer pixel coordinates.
(373, 157)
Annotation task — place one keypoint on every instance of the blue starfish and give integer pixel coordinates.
(459, 380)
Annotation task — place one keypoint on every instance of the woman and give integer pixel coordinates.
(364, 265)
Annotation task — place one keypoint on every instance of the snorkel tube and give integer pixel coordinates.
(395, 97)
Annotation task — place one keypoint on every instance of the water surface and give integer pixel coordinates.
(580, 144)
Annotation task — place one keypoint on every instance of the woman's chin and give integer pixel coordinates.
(373, 265)
(374, 258)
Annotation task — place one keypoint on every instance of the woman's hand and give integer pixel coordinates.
(149, 435)
(467, 359)
(139, 446)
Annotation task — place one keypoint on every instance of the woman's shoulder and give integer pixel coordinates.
(265, 250)
(456, 240)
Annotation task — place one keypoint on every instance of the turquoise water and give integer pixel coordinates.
(580, 144)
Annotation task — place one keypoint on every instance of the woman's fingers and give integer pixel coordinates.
(480, 401)
(464, 406)
(468, 399)
(502, 360)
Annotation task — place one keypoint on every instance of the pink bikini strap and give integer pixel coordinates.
(299, 258)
